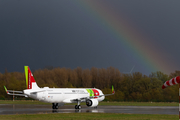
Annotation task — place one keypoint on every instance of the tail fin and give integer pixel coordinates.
(30, 81)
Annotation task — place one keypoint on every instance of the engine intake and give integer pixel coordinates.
(92, 102)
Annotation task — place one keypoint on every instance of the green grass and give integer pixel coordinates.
(89, 116)
(101, 103)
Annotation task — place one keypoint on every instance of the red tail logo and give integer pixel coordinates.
(30, 81)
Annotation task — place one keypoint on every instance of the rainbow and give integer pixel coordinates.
(128, 35)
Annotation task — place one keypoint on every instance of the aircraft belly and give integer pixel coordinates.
(70, 97)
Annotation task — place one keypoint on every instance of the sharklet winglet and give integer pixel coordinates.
(113, 89)
(6, 89)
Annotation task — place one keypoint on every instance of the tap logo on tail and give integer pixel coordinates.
(30, 81)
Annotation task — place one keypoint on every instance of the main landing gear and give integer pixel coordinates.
(78, 106)
(55, 106)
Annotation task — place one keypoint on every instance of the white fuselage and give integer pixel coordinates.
(63, 95)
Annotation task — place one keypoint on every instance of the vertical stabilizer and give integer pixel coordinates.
(30, 81)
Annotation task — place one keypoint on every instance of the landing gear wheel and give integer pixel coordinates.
(77, 106)
(55, 106)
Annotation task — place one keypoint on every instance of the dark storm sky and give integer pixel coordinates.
(63, 33)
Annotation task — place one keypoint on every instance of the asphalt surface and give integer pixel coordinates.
(38, 109)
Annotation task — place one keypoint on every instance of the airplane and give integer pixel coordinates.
(59, 96)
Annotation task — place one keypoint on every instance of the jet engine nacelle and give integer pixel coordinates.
(92, 102)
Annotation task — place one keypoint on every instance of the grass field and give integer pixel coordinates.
(101, 103)
(89, 116)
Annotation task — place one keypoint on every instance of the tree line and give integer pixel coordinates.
(128, 87)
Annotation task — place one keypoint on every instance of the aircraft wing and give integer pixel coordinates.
(91, 97)
(113, 92)
(12, 92)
